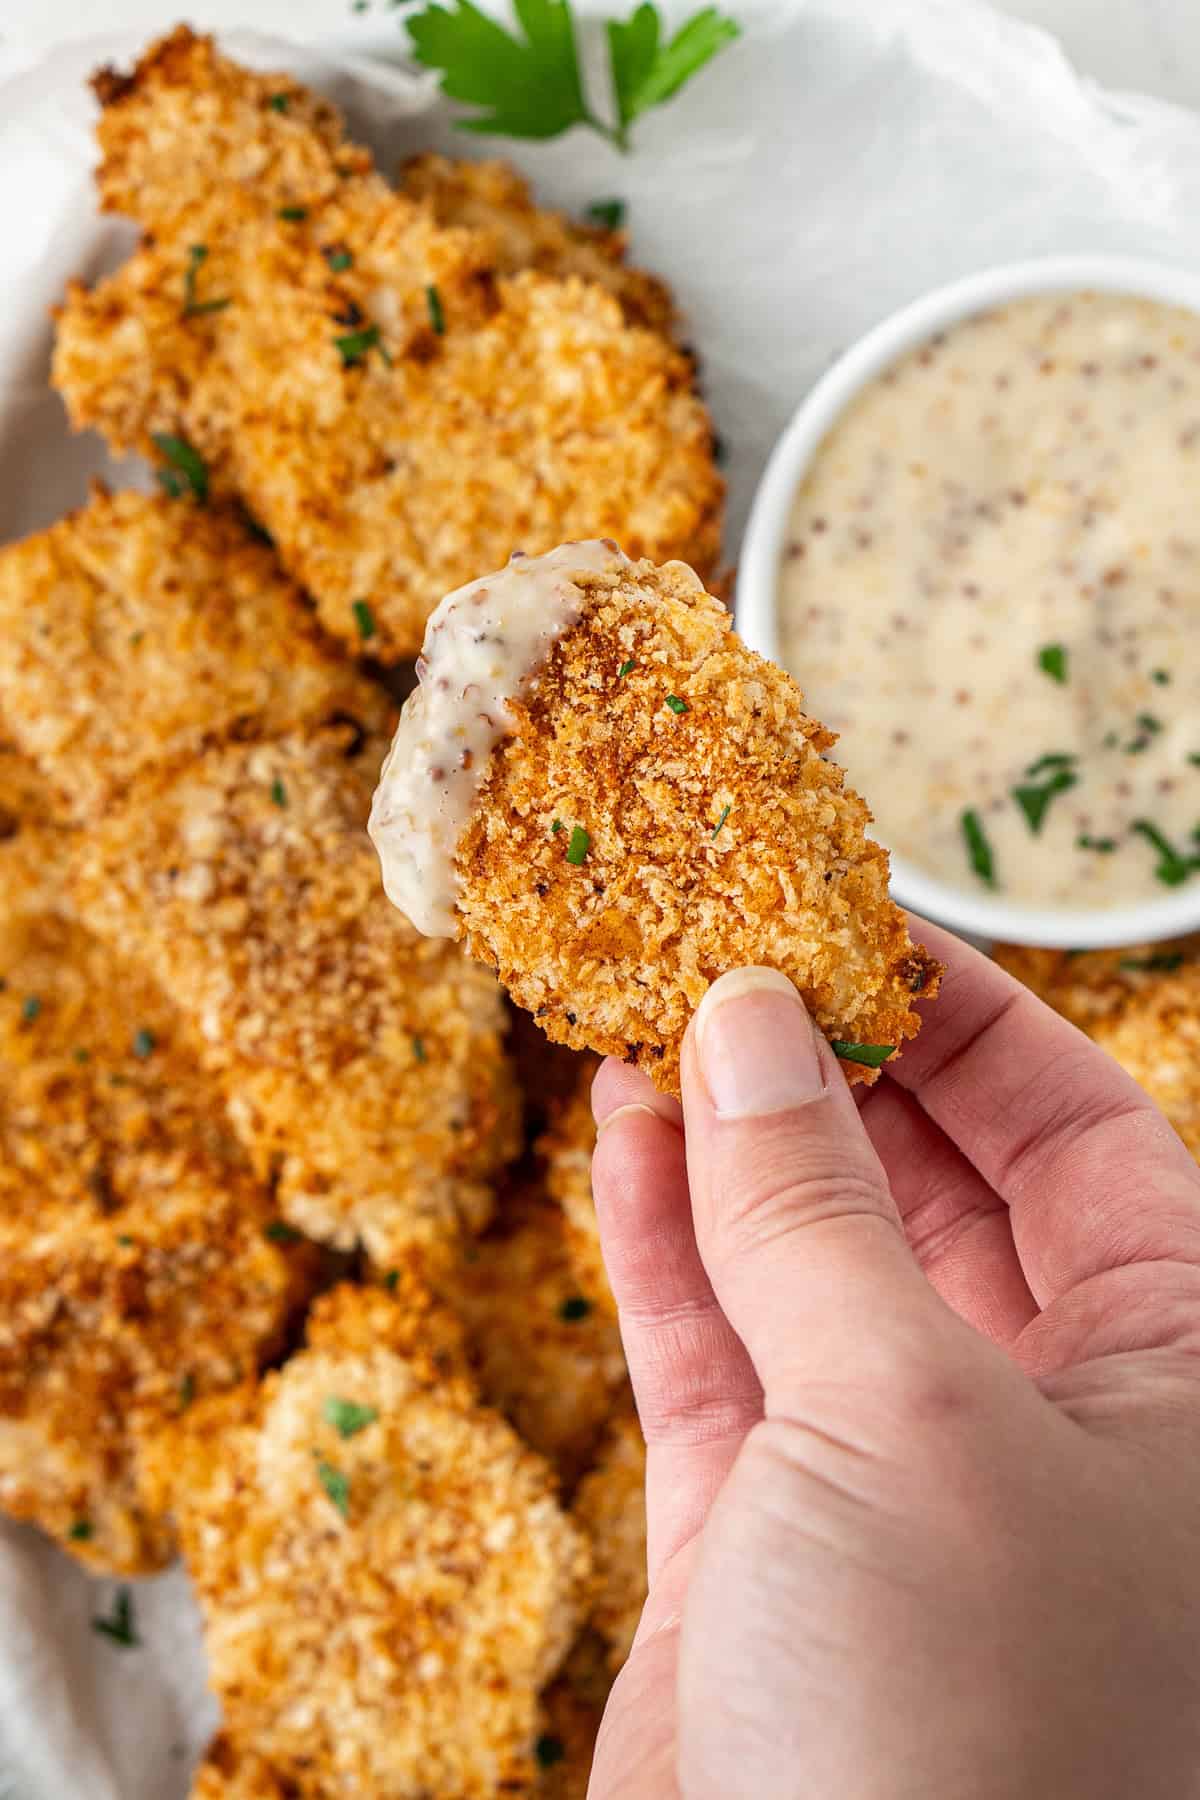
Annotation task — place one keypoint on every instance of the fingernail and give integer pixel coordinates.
(635, 1106)
(757, 1046)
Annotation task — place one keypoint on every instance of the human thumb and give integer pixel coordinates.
(794, 1219)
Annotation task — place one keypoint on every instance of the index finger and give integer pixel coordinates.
(1092, 1173)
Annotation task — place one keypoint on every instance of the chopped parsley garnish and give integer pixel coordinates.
(871, 1056)
(549, 1750)
(336, 1485)
(1194, 758)
(293, 214)
(1148, 722)
(31, 1006)
(80, 1531)
(1104, 845)
(347, 1417)
(574, 1308)
(186, 467)
(81, 1055)
(279, 102)
(353, 346)
(1110, 740)
(437, 317)
(125, 1241)
(193, 308)
(609, 213)
(391, 1279)
(676, 704)
(725, 812)
(1055, 759)
(187, 1391)
(1034, 801)
(1160, 676)
(418, 1048)
(278, 792)
(144, 1042)
(338, 258)
(1172, 869)
(978, 848)
(280, 1232)
(364, 618)
(557, 827)
(119, 1627)
(625, 669)
(1163, 961)
(527, 83)
(1052, 661)
(578, 847)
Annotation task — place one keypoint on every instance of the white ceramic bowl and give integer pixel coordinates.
(977, 914)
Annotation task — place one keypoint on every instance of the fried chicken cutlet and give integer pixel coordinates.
(140, 629)
(395, 413)
(363, 1065)
(1141, 1004)
(386, 1577)
(139, 1267)
(611, 801)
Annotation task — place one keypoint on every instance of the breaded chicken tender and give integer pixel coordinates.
(611, 1507)
(138, 629)
(363, 1065)
(545, 1355)
(138, 1263)
(392, 412)
(1141, 1004)
(492, 198)
(612, 801)
(386, 1577)
(232, 1771)
(567, 1148)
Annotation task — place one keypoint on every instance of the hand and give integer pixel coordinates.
(920, 1386)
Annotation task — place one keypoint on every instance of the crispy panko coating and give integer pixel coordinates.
(363, 1065)
(139, 629)
(544, 1354)
(137, 1264)
(1141, 1004)
(611, 1507)
(394, 414)
(717, 836)
(492, 198)
(231, 1771)
(386, 1576)
(27, 801)
(567, 1150)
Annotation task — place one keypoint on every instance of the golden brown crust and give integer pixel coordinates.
(566, 1743)
(470, 424)
(383, 1601)
(233, 1771)
(567, 1148)
(140, 629)
(363, 1065)
(544, 1354)
(493, 199)
(718, 836)
(611, 1507)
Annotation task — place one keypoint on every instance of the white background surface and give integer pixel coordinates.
(1152, 45)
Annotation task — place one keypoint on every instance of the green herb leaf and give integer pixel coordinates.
(124, 1239)
(1104, 845)
(184, 462)
(978, 848)
(1055, 759)
(187, 1391)
(347, 1417)
(31, 1006)
(1194, 758)
(1034, 801)
(278, 792)
(871, 1056)
(1052, 661)
(418, 1046)
(391, 1280)
(725, 812)
(82, 1056)
(119, 1627)
(364, 618)
(279, 102)
(1160, 676)
(578, 847)
(338, 258)
(1172, 868)
(281, 1233)
(549, 1750)
(437, 317)
(353, 345)
(144, 1042)
(625, 669)
(293, 214)
(645, 71)
(574, 1308)
(192, 307)
(1148, 722)
(609, 213)
(1163, 961)
(81, 1530)
(526, 82)
(557, 827)
(676, 704)
(336, 1485)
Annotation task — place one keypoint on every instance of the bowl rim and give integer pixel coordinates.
(976, 914)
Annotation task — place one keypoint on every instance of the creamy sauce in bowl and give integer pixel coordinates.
(483, 646)
(990, 588)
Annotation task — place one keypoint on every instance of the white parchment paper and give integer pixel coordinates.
(843, 157)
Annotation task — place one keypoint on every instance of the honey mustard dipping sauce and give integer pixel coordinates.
(990, 587)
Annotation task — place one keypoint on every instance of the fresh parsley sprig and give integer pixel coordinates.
(527, 83)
